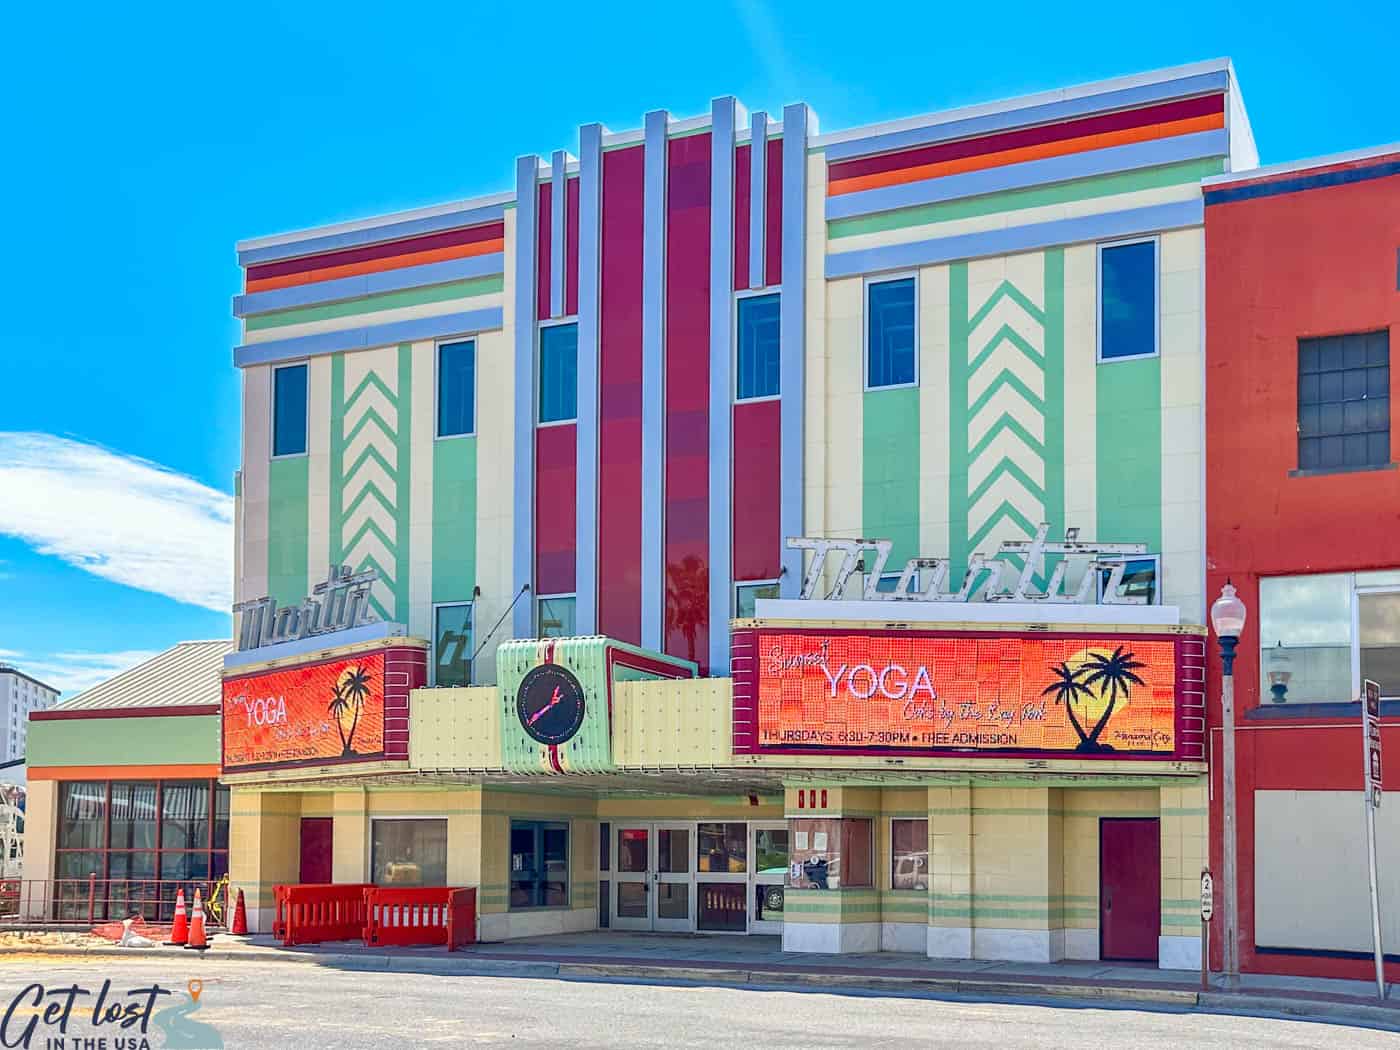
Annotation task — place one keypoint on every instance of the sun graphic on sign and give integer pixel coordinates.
(347, 701)
(1092, 684)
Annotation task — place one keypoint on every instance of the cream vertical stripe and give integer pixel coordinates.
(318, 469)
(422, 413)
(1081, 393)
(257, 452)
(934, 540)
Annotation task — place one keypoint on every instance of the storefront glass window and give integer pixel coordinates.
(184, 815)
(134, 815)
(452, 644)
(409, 853)
(539, 864)
(1321, 635)
(723, 847)
(556, 617)
(831, 853)
(83, 815)
(771, 847)
(909, 854)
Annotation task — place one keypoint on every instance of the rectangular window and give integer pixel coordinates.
(558, 373)
(452, 644)
(556, 617)
(1320, 636)
(456, 392)
(1127, 300)
(1141, 578)
(184, 814)
(289, 410)
(539, 864)
(1344, 402)
(891, 343)
(408, 852)
(908, 854)
(722, 848)
(746, 596)
(759, 352)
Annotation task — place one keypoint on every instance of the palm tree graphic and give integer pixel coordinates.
(1111, 674)
(350, 692)
(1067, 689)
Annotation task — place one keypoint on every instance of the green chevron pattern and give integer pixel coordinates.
(370, 413)
(1006, 391)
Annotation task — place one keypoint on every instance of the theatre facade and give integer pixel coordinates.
(736, 527)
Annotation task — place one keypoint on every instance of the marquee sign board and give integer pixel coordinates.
(1009, 576)
(1101, 695)
(330, 711)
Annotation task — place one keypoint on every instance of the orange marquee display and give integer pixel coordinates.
(331, 711)
(901, 691)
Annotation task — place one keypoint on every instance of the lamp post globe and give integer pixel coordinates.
(1228, 614)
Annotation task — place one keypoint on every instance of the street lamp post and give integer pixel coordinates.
(1227, 615)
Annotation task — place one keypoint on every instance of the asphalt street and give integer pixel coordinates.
(252, 1006)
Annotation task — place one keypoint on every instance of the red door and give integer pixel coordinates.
(315, 849)
(1130, 888)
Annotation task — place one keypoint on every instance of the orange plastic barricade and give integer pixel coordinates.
(313, 912)
(407, 915)
(461, 918)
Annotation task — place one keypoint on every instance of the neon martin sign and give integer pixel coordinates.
(851, 554)
(342, 601)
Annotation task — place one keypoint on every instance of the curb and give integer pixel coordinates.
(1355, 1012)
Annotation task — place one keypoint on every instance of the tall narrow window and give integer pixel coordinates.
(890, 343)
(758, 346)
(289, 411)
(557, 617)
(1127, 300)
(452, 644)
(1344, 401)
(456, 408)
(558, 373)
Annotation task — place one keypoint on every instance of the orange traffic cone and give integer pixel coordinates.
(180, 932)
(197, 939)
(240, 918)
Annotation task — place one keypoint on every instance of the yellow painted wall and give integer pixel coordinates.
(264, 842)
(674, 723)
(455, 728)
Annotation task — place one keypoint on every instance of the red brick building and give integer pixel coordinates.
(1303, 516)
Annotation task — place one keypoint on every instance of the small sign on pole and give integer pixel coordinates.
(1371, 800)
(1207, 913)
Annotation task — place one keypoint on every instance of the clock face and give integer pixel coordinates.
(550, 704)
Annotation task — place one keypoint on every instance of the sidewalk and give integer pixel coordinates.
(759, 961)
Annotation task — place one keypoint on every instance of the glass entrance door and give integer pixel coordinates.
(770, 868)
(632, 878)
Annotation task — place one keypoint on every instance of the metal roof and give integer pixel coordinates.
(185, 675)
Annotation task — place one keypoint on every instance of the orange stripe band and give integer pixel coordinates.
(1063, 147)
(396, 262)
(192, 771)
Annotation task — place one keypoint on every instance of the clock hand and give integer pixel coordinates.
(553, 700)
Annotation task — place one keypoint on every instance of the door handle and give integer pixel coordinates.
(1108, 905)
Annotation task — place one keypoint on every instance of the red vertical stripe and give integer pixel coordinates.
(687, 397)
(571, 249)
(773, 219)
(556, 508)
(743, 156)
(620, 398)
(757, 528)
(544, 222)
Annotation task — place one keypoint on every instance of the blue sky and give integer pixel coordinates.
(144, 140)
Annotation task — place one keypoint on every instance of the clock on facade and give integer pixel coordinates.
(550, 704)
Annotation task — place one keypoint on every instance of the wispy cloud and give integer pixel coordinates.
(71, 673)
(118, 517)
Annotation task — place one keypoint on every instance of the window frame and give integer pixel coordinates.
(734, 609)
(438, 344)
(1357, 591)
(888, 278)
(1156, 241)
(1300, 471)
(540, 326)
(1114, 558)
(273, 454)
(551, 597)
(755, 293)
(371, 818)
(471, 626)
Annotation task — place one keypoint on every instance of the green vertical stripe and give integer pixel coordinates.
(890, 471)
(454, 519)
(1128, 433)
(287, 520)
(1054, 397)
(958, 333)
(403, 433)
